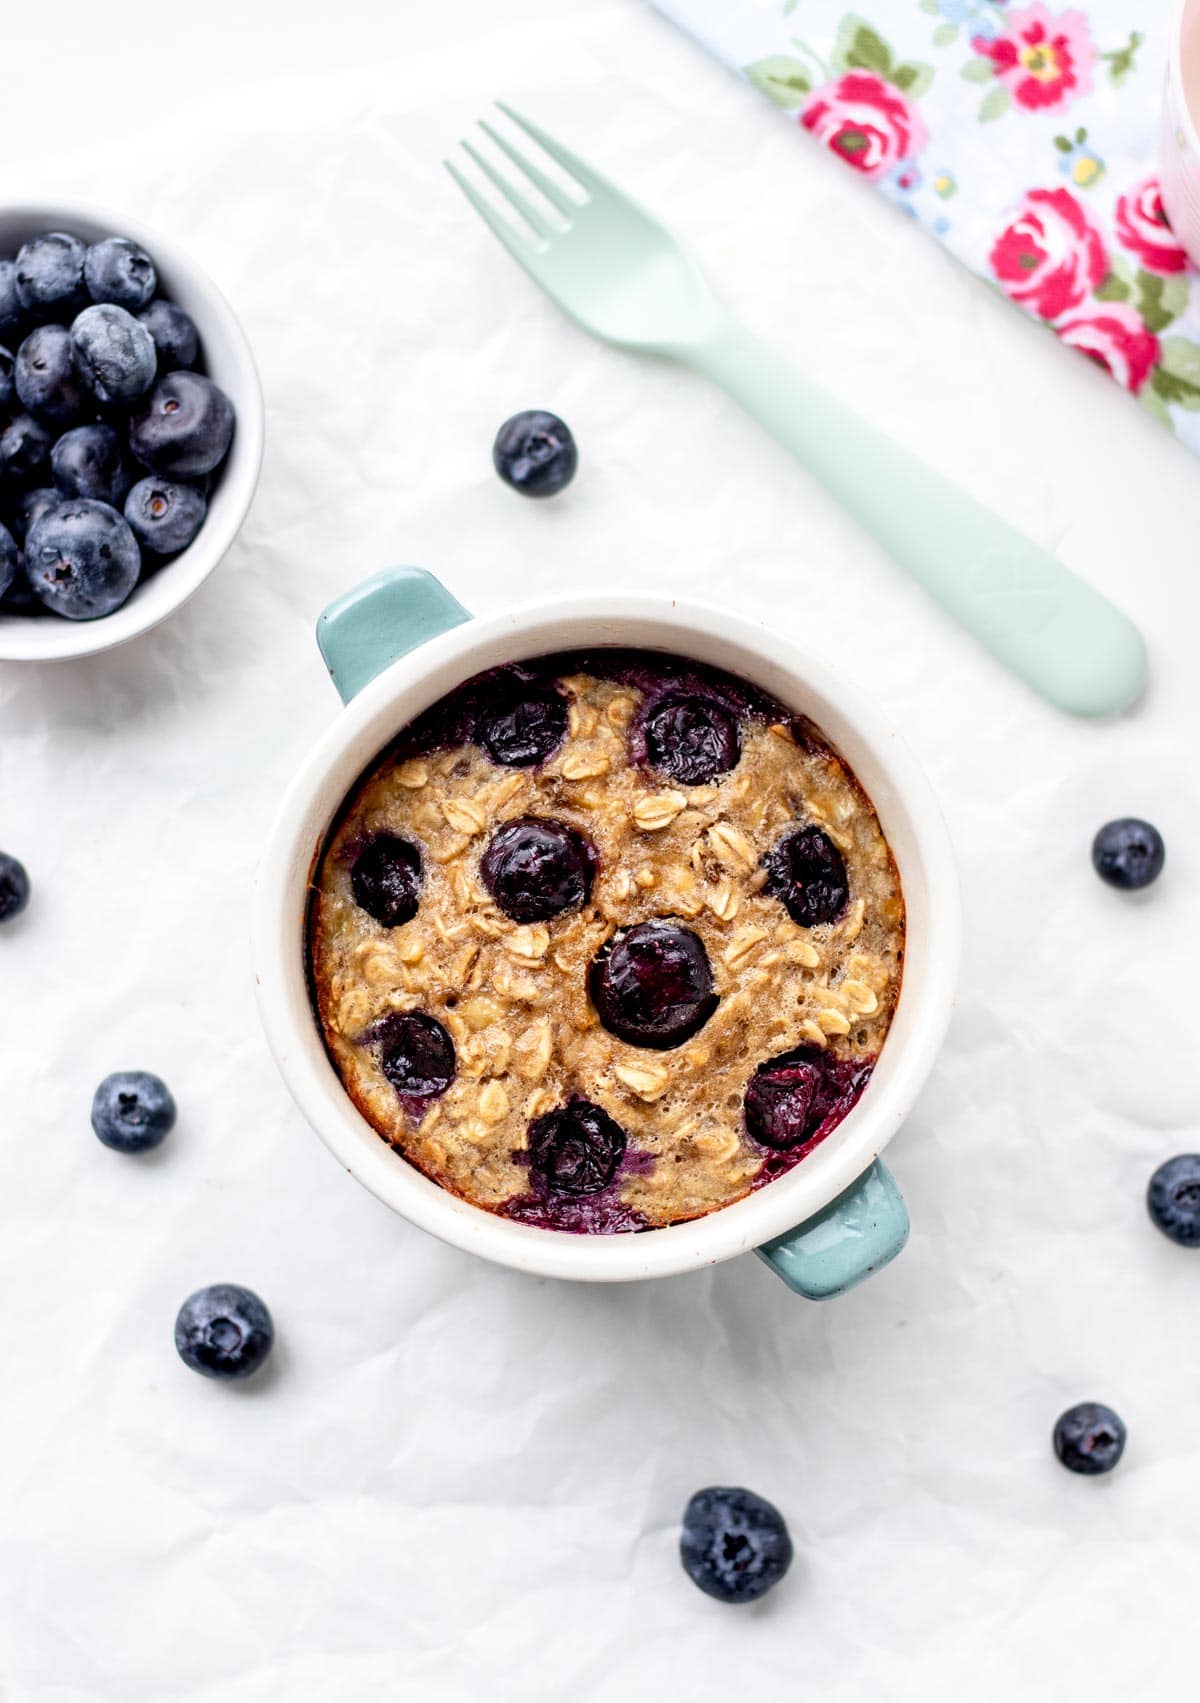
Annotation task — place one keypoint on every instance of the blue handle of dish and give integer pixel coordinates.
(381, 620)
(856, 1234)
(365, 631)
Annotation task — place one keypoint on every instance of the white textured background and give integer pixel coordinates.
(456, 1483)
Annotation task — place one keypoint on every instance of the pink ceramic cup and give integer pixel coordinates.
(1179, 145)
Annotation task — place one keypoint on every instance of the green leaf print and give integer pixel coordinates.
(860, 48)
(1113, 289)
(1121, 61)
(787, 81)
(945, 35)
(994, 104)
(912, 79)
(1160, 300)
(1177, 376)
(1154, 405)
(979, 70)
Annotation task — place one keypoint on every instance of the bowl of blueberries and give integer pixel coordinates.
(131, 430)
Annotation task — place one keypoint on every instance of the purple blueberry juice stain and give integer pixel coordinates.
(795, 1100)
(577, 1159)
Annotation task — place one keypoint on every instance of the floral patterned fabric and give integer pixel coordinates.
(1023, 136)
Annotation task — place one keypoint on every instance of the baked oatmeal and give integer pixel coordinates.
(604, 941)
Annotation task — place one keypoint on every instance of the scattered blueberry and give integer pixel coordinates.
(535, 453)
(536, 868)
(12, 314)
(10, 559)
(692, 739)
(14, 887)
(575, 1149)
(89, 461)
(415, 1054)
(8, 364)
(49, 276)
(224, 1331)
(734, 1545)
(132, 1111)
(117, 270)
(652, 984)
(81, 559)
(164, 516)
(802, 1094)
(46, 379)
(524, 730)
(114, 355)
(1128, 853)
(807, 872)
(1173, 1199)
(174, 333)
(386, 879)
(184, 428)
(24, 447)
(1089, 1439)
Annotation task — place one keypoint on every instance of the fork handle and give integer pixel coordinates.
(1036, 616)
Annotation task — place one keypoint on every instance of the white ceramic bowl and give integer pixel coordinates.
(907, 810)
(229, 363)
(1179, 142)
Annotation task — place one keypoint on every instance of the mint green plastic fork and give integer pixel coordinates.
(624, 278)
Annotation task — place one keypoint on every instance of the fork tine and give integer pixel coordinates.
(517, 244)
(557, 197)
(571, 163)
(516, 200)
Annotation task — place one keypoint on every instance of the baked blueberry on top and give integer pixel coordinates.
(603, 942)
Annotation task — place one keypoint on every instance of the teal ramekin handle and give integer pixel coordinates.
(856, 1234)
(381, 620)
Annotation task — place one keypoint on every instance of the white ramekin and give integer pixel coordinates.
(1179, 142)
(230, 364)
(375, 628)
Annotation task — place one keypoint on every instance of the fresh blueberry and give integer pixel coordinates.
(117, 270)
(81, 558)
(386, 879)
(24, 447)
(175, 336)
(19, 598)
(802, 1094)
(575, 1149)
(8, 362)
(14, 887)
(524, 729)
(29, 506)
(1089, 1439)
(535, 453)
(1173, 1199)
(224, 1331)
(1128, 853)
(12, 314)
(10, 559)
(652, 984)
(132, 1111)
(50, 276)
(808, 873)
(164, 516)
(692, 740)
(734, 1545)
(184, 428)
(415, 1054)
(114, 354)
(46, 379)
(89, 461)
(536, 868)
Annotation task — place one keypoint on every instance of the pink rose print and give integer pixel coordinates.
(1045, 62)
(1112, 335)
(1142, 228)
(865, 120)
(1051, 255)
